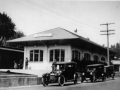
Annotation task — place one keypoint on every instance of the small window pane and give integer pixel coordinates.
(36, 54)
(96, 58)
(57, 52)
(41, 55)
(51, 55)
(31, 55)
(62, 55)
(103, 59)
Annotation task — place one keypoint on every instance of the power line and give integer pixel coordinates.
(45, 12)
(56, 13)
(107, 33)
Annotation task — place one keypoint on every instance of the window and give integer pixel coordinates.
(103, 59)
(31, 55)
(51, 55)
(36, 55)
(95, 58)
(41, 55)
(62, 55)
(57, 55)
(76, 55)
(87, 56)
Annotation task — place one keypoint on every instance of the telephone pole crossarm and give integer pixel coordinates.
(111, 33)
(111, 30)
(103, 31)
(103, 34)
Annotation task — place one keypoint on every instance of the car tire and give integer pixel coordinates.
(61, 80)
(75, 78)
(44, 81)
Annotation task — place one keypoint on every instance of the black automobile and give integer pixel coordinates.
(93, 72)
(61, 73)
(109, 71)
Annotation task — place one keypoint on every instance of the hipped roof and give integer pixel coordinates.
(53, 34)
(56, 34)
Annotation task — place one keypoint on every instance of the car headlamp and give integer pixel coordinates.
(59, 72)
(83, 73)
(91, 73)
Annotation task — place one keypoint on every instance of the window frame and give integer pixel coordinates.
(60, 56)
(102, 59)
(76, 53)
(87, 56)
(36, 56)
(96, 58)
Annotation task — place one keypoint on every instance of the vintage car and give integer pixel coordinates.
(61, 73)
(109, 71)
(93, 72)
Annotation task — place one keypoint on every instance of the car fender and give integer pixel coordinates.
(46, 75)
(78, 74)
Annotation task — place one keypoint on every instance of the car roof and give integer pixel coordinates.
(64, 63)
(94, 65)
(109, 66)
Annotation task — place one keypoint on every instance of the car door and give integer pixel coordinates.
(70, 71)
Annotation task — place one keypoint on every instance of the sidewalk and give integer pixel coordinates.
(12, 79)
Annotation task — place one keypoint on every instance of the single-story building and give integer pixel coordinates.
(60, 45)
(10, 55)
(116, 64)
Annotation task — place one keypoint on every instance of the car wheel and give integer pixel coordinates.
(44, 81)
(75, 78)
(61, 80)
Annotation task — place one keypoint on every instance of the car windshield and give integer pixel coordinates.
(58, 67)
(91, 69)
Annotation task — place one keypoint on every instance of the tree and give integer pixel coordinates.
(7, 30)
(18, 34)
(116, 49)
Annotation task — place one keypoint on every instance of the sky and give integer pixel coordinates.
(33, 16)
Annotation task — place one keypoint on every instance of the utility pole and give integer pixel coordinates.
(107, 33)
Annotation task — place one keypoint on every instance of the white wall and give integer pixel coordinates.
(45, 65)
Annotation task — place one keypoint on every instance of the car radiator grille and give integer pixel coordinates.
(52, 77)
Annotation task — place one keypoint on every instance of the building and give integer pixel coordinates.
(9, 55)
(60, 45)
(116, 64)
